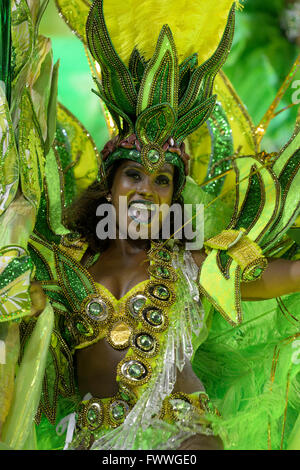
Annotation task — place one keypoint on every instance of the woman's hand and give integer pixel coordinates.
(38, 299)
(202, 442)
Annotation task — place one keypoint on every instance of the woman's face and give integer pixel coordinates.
(136, 196)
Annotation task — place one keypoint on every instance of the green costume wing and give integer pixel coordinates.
(266, 205)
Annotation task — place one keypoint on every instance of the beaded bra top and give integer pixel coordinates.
(143, 309)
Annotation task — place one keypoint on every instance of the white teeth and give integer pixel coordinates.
(141, 212)
(142, 206)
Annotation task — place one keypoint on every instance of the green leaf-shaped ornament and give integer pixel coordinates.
(201, 83)
(161, 77)
(193, 119)
(117, 81)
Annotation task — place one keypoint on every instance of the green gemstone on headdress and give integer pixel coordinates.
(153, 156)
(134, 154)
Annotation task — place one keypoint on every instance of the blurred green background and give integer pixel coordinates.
(266, 44)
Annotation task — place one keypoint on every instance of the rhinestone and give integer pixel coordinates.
(154, 316)
(126, 394)
(92, 416)
(153, 156)
(180, 405)
(164, 255)
(83, 329)
(163, 272)
(117, 411)
(136, 370)
(97, 310)
(134, 153)
(145, 342)
(136, 304)
(160, 292)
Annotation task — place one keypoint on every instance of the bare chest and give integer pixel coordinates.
(119, 276)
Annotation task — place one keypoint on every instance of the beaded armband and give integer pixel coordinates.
(233, 257)
(243, 250)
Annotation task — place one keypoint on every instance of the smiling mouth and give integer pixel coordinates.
(141, 211)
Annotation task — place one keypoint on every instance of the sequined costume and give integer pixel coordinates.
(249, 364)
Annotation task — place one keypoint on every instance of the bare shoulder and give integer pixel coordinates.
(199, 257)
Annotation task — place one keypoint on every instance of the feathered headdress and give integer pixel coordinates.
(157, 100)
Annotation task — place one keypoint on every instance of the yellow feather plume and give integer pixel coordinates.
(197, 26)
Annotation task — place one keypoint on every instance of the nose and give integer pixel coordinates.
(145, 188)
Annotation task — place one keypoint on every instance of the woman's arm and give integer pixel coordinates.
(281, 277)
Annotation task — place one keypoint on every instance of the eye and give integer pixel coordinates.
(162, 180)
(133, 174)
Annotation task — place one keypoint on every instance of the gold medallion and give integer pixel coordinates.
(119, 335)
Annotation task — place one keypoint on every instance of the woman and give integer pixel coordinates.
(130, 334)
(123, 266)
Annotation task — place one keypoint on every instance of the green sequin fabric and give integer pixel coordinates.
(5, 46)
